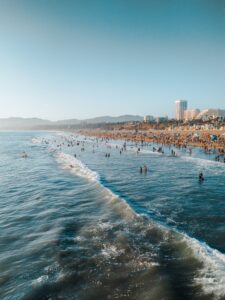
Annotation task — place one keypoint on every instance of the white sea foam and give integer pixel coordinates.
(202, 160)
(206, 164)
(146, 151)
(40, 280)
(36, 141)
(111, 251)
(79, 239)
(76, 166)
(212, 275)
(105, 226)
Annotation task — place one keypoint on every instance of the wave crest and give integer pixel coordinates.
(76, 166)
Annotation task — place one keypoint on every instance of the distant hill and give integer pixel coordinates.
(34, 123)
(22, 123)
(109, 119)
(67, 122)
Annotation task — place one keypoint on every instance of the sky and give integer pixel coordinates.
(87, 58)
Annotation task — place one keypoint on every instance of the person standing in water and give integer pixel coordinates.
(201, 177)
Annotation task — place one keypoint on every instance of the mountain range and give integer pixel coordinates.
(36, 123)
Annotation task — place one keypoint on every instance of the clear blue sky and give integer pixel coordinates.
(81, 59)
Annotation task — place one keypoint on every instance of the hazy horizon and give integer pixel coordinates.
(87, 59)
(80, 119)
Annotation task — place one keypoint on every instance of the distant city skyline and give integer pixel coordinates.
(84, 59)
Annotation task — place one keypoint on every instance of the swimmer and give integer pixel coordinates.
(141, 170)
(24, 155)
(201, 177)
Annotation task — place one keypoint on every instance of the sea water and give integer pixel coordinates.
(75, 224)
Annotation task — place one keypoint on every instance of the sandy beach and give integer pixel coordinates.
(207, 139)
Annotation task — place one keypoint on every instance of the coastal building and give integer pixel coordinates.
(191, 114)
(211, 114)
(161, 119)
(181, 106)
(148, 119)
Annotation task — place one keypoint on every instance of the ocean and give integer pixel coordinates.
(75, 224)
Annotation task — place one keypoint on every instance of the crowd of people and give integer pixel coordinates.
(209, 142)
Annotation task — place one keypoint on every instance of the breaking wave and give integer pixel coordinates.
(77, 167)
(211, 276)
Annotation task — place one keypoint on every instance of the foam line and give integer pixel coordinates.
(212, 275)
(76, 166)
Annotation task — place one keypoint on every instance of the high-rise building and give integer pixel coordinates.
(181, 106)
(148, 119)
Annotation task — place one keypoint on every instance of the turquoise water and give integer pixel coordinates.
(93, 227)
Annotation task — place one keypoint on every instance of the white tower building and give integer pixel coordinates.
(181, 106)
